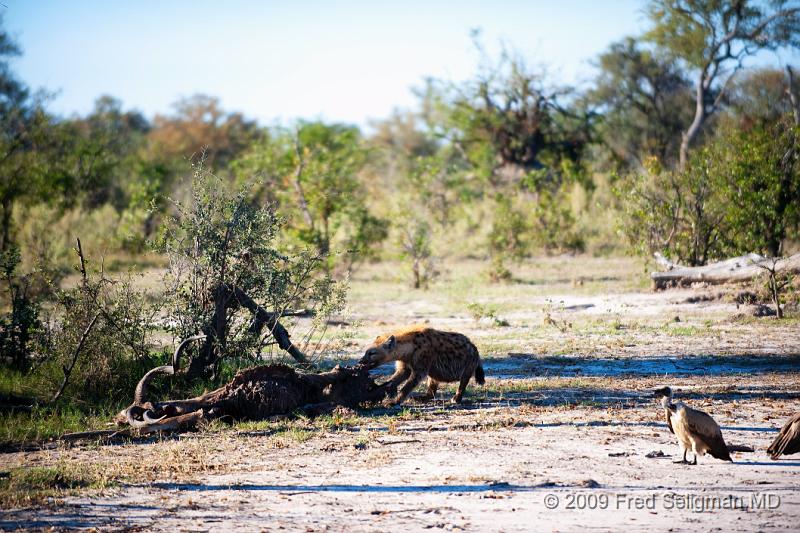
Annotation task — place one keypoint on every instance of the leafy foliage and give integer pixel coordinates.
(18, 327)
(761, 194)
(312, 176)
(200, 129)
(415, 241)
(737, 196)
(507, 238)
(554, 227)
(117, 348)
(712, 39)
(645, 101)
(509, 116)
(223, 238)
(676, 212)
(24, 127)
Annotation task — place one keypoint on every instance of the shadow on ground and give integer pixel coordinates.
(586, 396)
(529, 365)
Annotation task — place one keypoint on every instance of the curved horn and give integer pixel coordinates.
(149, 419)
(176, 357)
(129, 416)
(141, 387)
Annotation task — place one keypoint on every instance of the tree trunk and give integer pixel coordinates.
(417, 277)
(5, 243)
(776, 296)
(700, 116)
(227, 297)
(793, 96)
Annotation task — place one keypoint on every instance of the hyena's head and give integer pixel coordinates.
(379, 352)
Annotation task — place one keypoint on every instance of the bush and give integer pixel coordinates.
(98, 341)
(739, 194)
(415, 241)
(221, 238)
(312, 176)
(20, 325)
(761, 189)
(554, 225)
(508, 238)
(678, 213)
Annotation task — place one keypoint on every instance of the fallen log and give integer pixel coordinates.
(736, 269)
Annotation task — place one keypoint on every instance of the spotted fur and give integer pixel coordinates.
(420, 351)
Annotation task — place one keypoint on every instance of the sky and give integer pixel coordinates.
(347, 61)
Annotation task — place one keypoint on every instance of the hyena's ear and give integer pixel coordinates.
(390, 343)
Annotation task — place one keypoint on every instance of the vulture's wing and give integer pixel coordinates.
(707, 430)
(788, 440)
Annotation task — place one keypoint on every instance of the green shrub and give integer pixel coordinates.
(508, 238)
(220, 238)
(739, 194)
(415, 241)
(117, 349)
(678, 213)
(20, 325)
(761, 187)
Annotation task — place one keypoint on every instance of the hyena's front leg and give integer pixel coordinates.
(409, 386)
(401, 374)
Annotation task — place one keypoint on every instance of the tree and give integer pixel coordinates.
(400, 141)
(643, 99)
(676, 212)
(201, 129)
(739, 194)
(507, 239)
(92, 158)
(508, 121)
(225, 258)
(758, 98)
(762, 189)
(23, 129)
(19, 326)
(415, 241)
(312, 175)
(713, 38)
(512, 129)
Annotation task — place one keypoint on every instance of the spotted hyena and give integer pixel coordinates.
(420, 351)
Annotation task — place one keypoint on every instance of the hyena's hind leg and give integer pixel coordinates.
(433, 386)
(462, 386)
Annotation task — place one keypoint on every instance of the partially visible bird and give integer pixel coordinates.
(696, 430)
(788, 440)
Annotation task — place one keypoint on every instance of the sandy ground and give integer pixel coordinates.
(564, 437)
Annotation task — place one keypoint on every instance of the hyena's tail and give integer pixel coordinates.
(479, 377)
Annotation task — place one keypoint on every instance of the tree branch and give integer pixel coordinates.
(75, 354)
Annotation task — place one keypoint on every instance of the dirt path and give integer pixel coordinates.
(493, 465)
(564, 437)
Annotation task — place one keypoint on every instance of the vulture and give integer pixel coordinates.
(788, 440)
(696, 431)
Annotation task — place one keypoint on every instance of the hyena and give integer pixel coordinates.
(420, 351)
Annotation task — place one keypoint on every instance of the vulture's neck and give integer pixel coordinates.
(666, 403)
